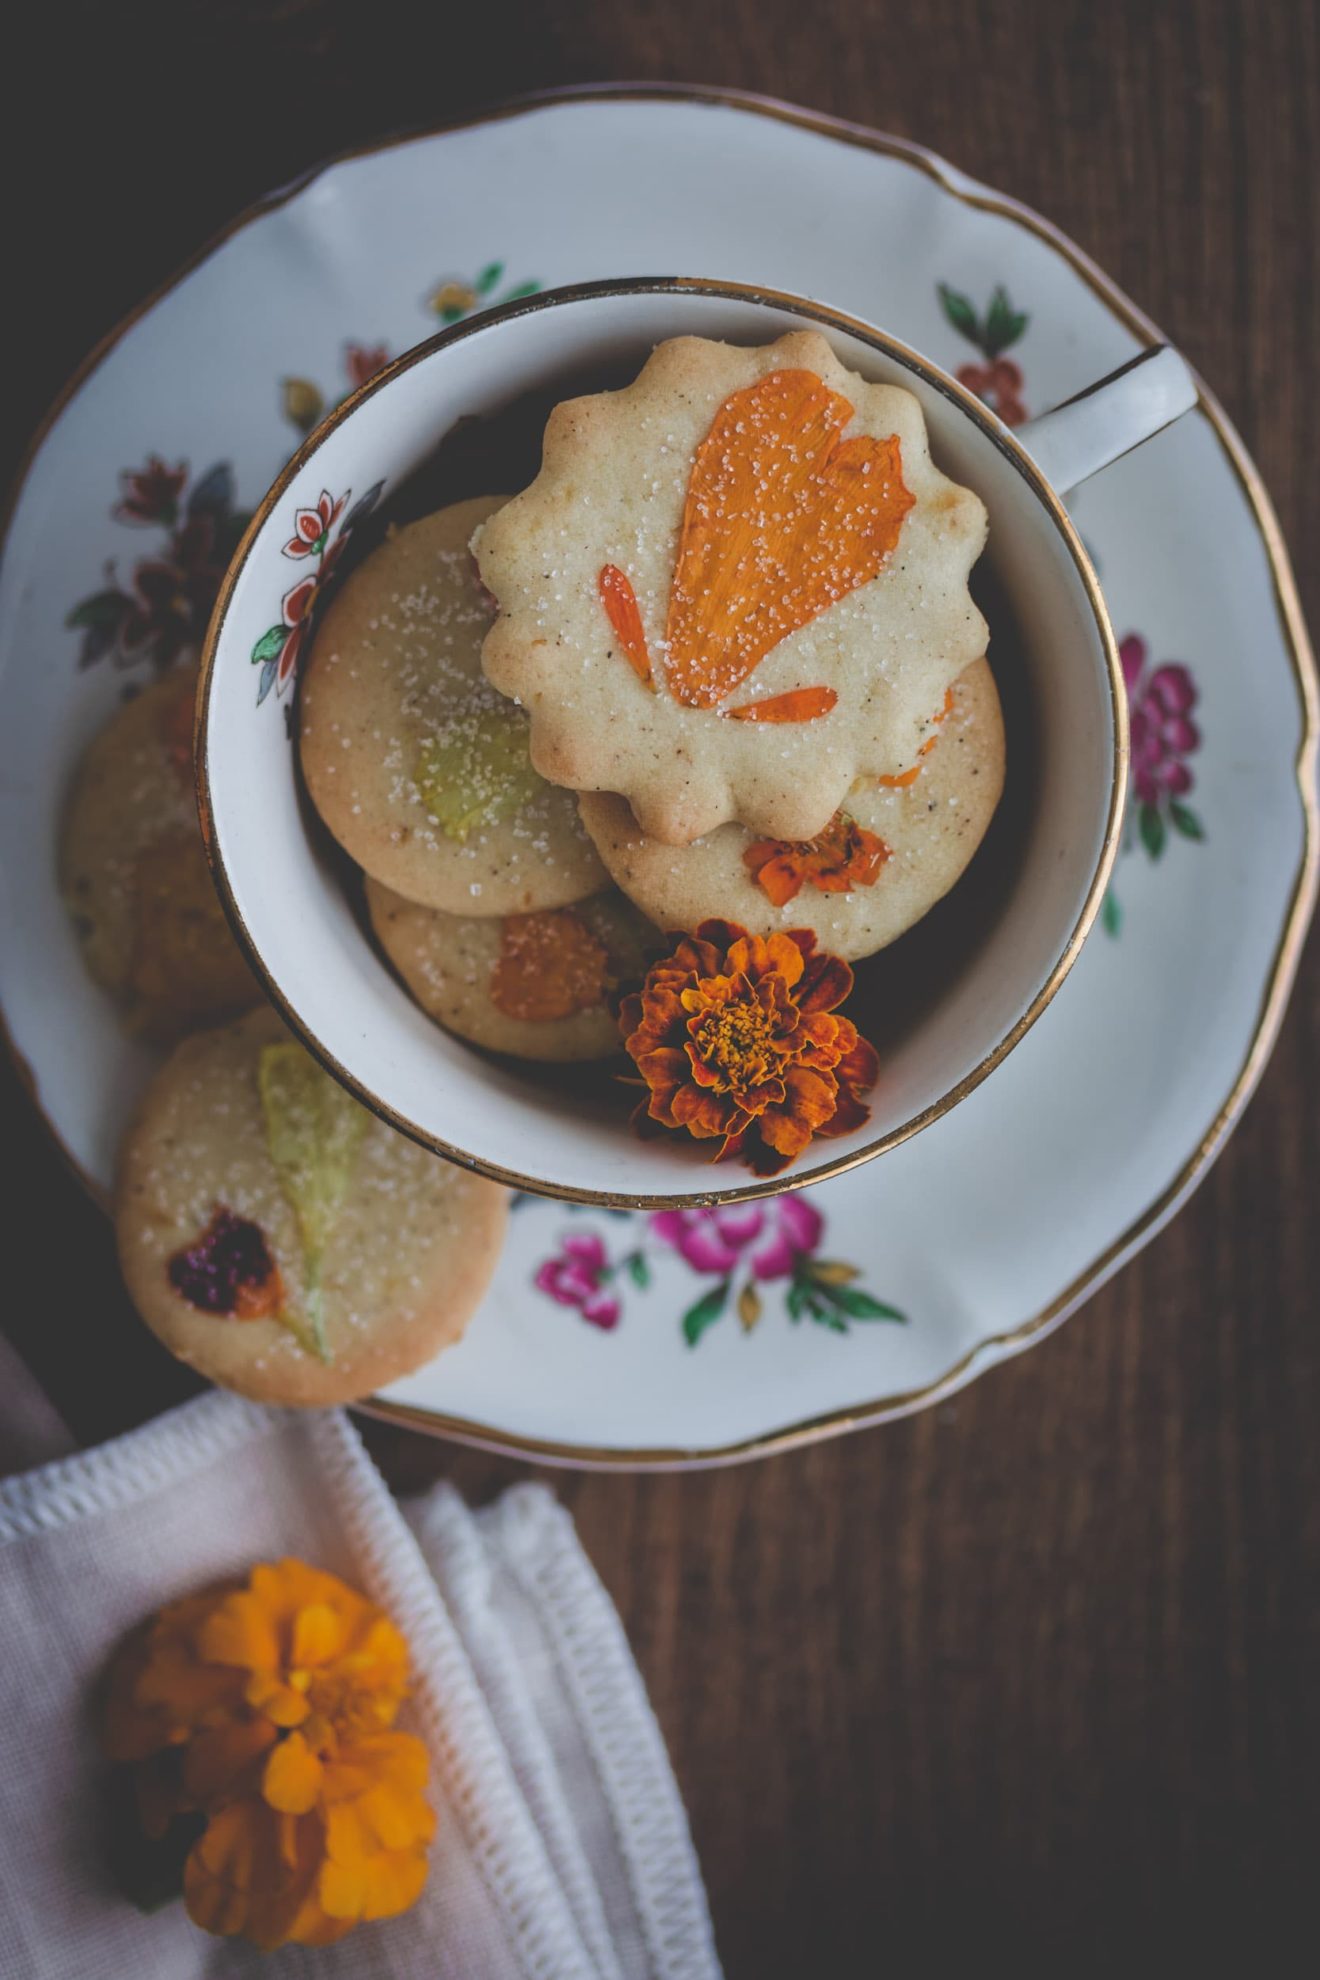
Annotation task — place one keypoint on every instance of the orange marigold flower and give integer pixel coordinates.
(845, 855)
(268, 1708)
(737, 1041)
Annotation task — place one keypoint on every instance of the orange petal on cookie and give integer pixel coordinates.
(783, 518)
(845, 855)
(621, 608)
(550, 966)
(800, 705)
(906, 778)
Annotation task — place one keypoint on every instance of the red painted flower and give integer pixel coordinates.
(1160, 705)
(150, 493)
(298, 608)
(363, 361)
(578, 1277)
(999, 385)
(172, 595)
(311, 527)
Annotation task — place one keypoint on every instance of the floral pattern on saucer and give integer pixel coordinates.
(739, 1249)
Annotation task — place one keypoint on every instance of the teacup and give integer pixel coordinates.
(284, 887)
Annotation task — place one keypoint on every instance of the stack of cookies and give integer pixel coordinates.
(721, 654)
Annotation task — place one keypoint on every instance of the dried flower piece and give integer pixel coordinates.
(845, 855)
(550, 965)
(312, 1132)
(229, 1270)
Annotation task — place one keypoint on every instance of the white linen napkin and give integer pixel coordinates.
(562, 1850)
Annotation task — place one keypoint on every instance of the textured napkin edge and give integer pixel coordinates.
(541, 1547)
(112, 1476)
(460, 1556)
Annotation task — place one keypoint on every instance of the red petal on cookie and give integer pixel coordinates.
(801, 705)
(623, 613)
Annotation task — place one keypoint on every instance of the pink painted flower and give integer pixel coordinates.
(578, 1277)
(311, 527)
(363, 361)
(771, 1237)
(1163, 734)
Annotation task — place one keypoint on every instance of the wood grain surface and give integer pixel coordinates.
(1038, 1671)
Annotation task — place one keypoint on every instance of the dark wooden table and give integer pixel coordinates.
(1040, 1669)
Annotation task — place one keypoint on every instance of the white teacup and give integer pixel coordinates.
(1067, 764)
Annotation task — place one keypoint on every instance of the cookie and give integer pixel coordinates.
(419, 768)
(134, 876)
(282, 1240)
(538, 986)
(885, 859)
(735, 588)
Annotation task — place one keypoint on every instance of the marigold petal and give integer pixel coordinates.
(292, 1778)
(703, 1114)
(220, 1760)
(826, 981)
(318, 1635)
(850, 1113)
(240, 1631)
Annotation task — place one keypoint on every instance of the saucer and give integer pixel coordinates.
(690, 1336)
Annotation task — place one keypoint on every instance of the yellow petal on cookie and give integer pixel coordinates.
(312, 1132)
(476, 771)
(783, 518)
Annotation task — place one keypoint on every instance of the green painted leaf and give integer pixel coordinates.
(520, 290)
(859, 1305)
(638, 1270)
(1003, 324)
(1151, 826)
(477, 771)
(1185, 820)
(312, 1132)
(102, 609)
(488, 277)
(270, 645)
(1111, 913)
(961, 314)
(797, 1300)
(823, 1317)
(705, 1312)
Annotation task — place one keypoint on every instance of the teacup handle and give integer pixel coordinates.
(1110, 418)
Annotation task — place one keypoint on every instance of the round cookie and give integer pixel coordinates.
(134, 876)
(418, 767)
(537, 986)
(928, 827)
(245, 1160)
(734, 589)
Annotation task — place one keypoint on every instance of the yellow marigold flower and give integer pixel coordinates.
(268, 1708)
